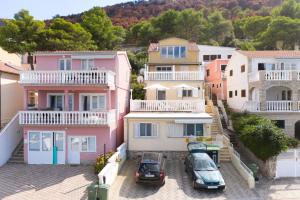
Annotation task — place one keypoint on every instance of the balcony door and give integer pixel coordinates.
(65, 64)
(56, 101)
(161, 95)
(92, 102)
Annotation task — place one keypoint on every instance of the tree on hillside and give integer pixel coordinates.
(289, 8)
(63, 35)
(166, 23)
(220, 28)
(255, 26)
(191, 25)
(143, 33)
(104, 33)
(20, 35)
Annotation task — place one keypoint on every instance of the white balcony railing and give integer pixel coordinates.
(167, 105)
(252, 106)
(66, 117)
(278, 75)
(279, 105)
(68, 77)
(176, 76)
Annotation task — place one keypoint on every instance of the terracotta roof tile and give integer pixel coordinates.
(271, 54)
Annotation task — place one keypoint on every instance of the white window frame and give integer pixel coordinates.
(139, 130)
(88, 150)
(40, 132)
(91, 101)
(195, 128)
(173, 54)
(65, 64)
(187, 92)
(88, 61)
(63, 98)
(164, 67)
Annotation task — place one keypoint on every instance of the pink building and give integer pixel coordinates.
(74, 105)
(216, 79)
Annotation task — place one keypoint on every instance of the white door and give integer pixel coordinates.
(288, 164)
(74, 150)
(59, 143)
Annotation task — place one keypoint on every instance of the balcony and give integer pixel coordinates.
(175, 76)
(167, 105)
(67, 78)
(274, 75)
(66, 117)
(273, 106)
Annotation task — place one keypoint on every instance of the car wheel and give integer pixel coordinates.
(222, 189)
(194, 184)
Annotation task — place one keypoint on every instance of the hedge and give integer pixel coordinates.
(101, 162)
(261, 135)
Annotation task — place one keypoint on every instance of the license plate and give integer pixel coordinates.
(149, 175)
(212, 187)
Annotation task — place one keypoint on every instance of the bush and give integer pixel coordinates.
(261, 135)
(138, 88)
(101, 162)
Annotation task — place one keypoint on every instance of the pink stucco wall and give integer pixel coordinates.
(217, 84)
(119, 99)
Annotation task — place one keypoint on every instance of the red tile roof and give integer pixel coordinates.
(192, 46)
(8, 69)
(271, 54)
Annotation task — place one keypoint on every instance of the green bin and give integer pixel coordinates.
(254, 168)
(93, 191)
(103, 192)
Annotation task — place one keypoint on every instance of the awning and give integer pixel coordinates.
(193, 121)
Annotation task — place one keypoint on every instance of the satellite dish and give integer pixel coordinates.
(140, 79)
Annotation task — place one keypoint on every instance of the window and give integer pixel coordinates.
(230, 94)
(46, 141)
(173, 52)
(243, 68)
(206, 58)
(217, 86)
(231, 73)
(261, 66)
(235, 93)
(163, 69)
(92, 102)
(223, 67)
(87, 64)
(88, 144)
(243, 93)
(187, 93)
(229, 56)
(213, 85)
(59, 141)
(279, 123)
(219, 56)
(65, 64)
(213, 57)
(207, 72)
(146, 130)
(193, 129)
(34, 141)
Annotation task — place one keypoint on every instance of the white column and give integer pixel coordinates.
(25, 99)
(66, 98)
(108, 103)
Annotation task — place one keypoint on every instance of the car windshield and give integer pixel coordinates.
(149, 167)
(204, 165)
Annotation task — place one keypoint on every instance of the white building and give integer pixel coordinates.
(266, 83)
(209, 53)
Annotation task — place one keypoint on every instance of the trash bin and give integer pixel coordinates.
(254, 168)
(93, 191)
(103, 192)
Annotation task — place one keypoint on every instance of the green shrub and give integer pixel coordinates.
(138, 88)
(261, 135)
(101, 162)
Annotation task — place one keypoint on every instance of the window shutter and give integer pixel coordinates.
(136, 129)
(179, 92)
(195, 92)
(154, 130)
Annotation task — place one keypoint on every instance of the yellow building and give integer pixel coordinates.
(174, 106)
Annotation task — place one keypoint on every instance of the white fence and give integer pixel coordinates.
(279, 105)
(10, 137)
(167, 105)
(92, 77)
(110, 172)
(66, 118)
(177, 76)
(278, 75)
(288, 164)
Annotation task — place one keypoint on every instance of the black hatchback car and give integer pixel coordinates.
(151, 169)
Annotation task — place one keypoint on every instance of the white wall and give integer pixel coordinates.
(214, 50)
(10, 58)
(239, 81)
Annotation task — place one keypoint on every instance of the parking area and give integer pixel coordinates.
(44, 182)
(179, 186)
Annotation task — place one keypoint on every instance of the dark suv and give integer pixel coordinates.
(151, 169)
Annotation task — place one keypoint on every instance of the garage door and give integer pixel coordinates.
(288, 164)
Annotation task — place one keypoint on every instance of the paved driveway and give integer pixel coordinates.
(44, 182)
(179, 187)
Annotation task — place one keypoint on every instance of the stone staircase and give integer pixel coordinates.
(215, 129)
(18, 155)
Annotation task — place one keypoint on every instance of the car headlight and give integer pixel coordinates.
(199, 181)
(222, 182)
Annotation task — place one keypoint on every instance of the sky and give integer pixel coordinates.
(46, 9)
